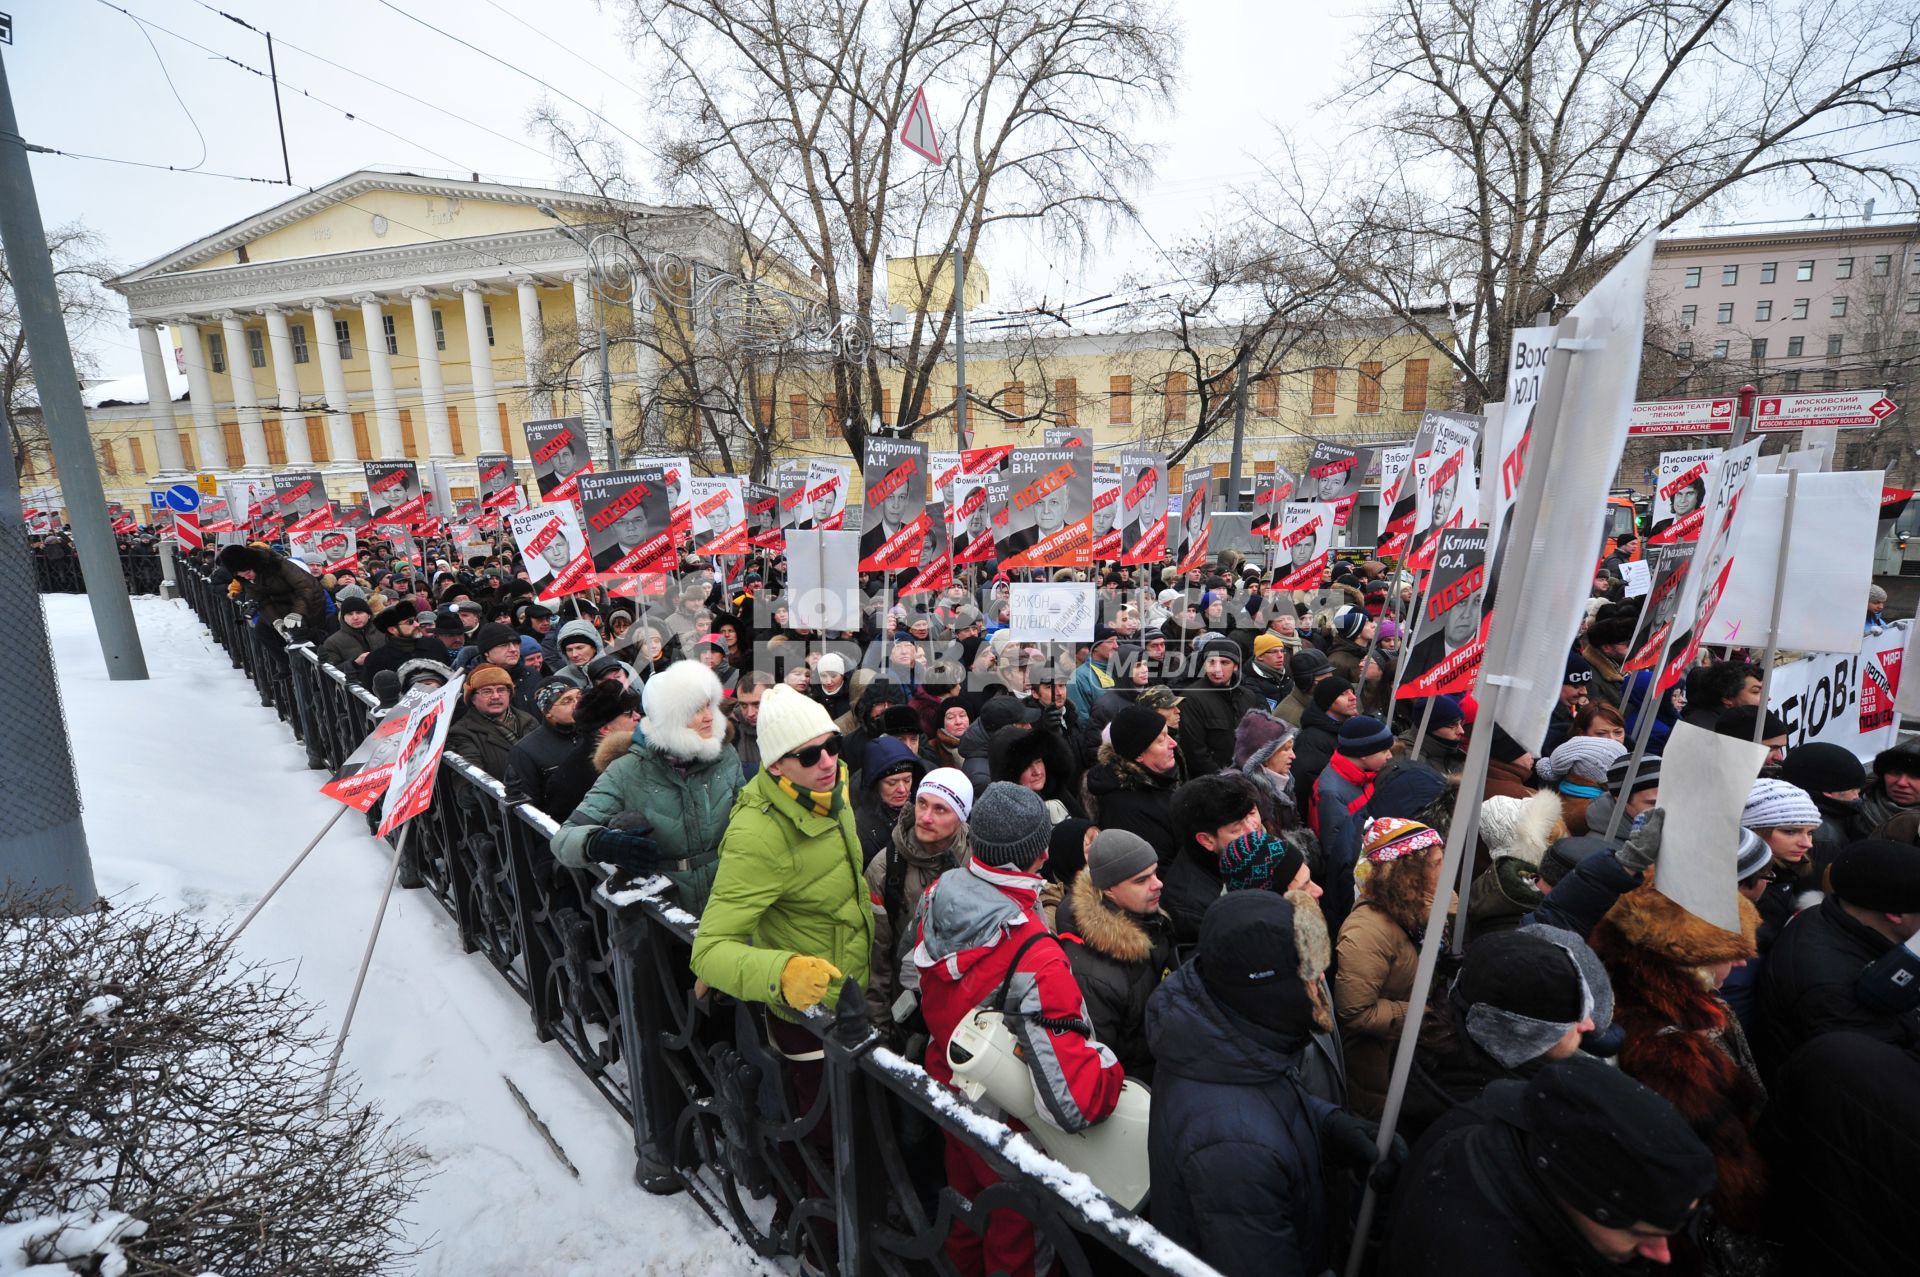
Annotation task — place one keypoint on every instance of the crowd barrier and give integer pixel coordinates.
(605, 976)
(59, 573)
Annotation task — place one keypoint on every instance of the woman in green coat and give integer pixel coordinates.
(676, 781)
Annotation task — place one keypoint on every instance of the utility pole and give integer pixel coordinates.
(25, 241)
(1239, 429)
(960, 341)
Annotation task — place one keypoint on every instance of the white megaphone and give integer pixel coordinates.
(986, 1061)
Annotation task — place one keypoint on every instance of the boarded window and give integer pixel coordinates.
(235, 452)
(1066, 396)
(139, 452)
(886, 405)
(1266, 396)
(453, 428)
(406, 434)
(797, 424)
(1013, 400)
(1324, 381)
(361, 443)
(109, 464)
(276, 447)
(516, 443)
(1413, 387)
(1369, 397)
(1177, 388)
(1120, 400)
(317, 438)
(186, 450)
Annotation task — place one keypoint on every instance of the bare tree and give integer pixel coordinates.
(78, 268)
(1506, 154)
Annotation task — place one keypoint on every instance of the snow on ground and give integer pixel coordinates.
(197, 796)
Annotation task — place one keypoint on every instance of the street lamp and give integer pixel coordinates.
(596, 279)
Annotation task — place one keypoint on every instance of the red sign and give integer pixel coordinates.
(917, 133)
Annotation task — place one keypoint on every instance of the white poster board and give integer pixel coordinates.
(1051, 612)
(1844, 698)
(1699, 846)
(1829, 563)
(823, 579)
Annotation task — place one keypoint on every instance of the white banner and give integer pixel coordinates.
(823, 579)
(1700, 842)
(1829, 563)
(1051, 612)
(1845, 699)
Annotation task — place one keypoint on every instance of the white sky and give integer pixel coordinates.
(84, 79)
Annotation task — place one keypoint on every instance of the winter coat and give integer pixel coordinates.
(1372, 985)
(281, 587)
(395, 652)
(1502, 896)
(1012, 749)
(1123, 794)
(1314, 747)
(973, 756)
(790, 882)
(1810, 987)
(1233, 1141)
(344, 646)
(558, 666)
(1119, 959)
(1608, 678)
(1581, 898)
(1441, 755)
(1878, 807)
(745, 739)
(1190, 880)
(1338, 802)
(1841, 825)
(1271, 688)
(683, 785)
(487, 743)
(533, 761)
(896, 879)
(1508, 780)
(972, 937)
(1348, 658)
(873, 818)
(1086, 685)
(1208, 720)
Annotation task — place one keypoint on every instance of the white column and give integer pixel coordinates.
(385, 410)
(210, 443)
(486, 399)
(246, 406)
(166, 432)
(433, 387)
(333, 381)
(286, 388)
(533, 339)
(646, 356)
(587, 332)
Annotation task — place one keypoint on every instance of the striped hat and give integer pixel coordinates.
(1775, 804)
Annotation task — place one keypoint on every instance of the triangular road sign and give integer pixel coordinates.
(917, 134)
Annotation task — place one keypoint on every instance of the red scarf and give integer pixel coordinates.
(1349, 770)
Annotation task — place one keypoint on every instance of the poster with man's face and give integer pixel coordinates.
(1271, 491)
(1450, 635)
(1680, 496)
(823, 508)
(763, 516)
(1397, 506)
(936, 555)
(679, 473)
(893, 528)
(303, 500)
(1727, 479)
(1067, 437)
(629, 525)
(790, 483)
(972, 519)
(1303, 544)
(499, 481)
(1335, 475)
(1196, 522)
(1669, 567)
(558, 448)
(394, 493)
(552, 548)
(325, 550)
(1447, 479)
(1143, 507)
(1050, 522)
(719, 515)
(1106, 510)
(942, 469)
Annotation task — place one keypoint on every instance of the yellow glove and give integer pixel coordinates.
(234, 587)
(804, 980)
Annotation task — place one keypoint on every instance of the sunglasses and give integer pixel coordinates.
(810, 756)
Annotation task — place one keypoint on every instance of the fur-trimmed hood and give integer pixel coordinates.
(669, 700)
(1522, 828)
(579, 628)
(1103, 928)
(611, 746)
(1648, 920)
(1113, 772)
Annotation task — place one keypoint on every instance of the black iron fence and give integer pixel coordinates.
(852, 1178)
(58, 569)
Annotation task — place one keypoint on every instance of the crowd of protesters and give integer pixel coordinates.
(1199, 852)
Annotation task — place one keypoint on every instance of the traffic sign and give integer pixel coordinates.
(208, 485)
(1682, 417)
(183, 498)
(159, 498)
(186, 530)
(917, 133)
(1840, 409)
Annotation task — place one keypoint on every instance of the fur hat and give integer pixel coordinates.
(669, 701)
(1650, 921)
(1520, 828)
(421, 667)
(244, 558)
(788, 720)
(602, 703)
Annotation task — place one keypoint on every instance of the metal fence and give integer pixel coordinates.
(58, 572)
(603, 968)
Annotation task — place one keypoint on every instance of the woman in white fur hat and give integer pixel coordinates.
(1517, 833)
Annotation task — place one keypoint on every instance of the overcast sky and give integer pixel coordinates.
(85, 79)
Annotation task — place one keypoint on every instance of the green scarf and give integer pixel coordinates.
(827, 803)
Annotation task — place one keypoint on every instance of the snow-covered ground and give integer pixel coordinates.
(197, 796)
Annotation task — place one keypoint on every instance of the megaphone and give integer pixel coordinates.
(987, 1061)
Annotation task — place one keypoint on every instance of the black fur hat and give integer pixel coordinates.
(244, 558)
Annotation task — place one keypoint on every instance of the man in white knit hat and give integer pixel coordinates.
(929, 838)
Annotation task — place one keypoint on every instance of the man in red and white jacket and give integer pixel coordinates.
(980, 928)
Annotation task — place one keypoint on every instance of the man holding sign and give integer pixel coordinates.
(555, 554)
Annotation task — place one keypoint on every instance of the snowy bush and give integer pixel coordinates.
(159, 1111)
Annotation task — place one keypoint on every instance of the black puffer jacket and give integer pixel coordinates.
(1313, 747)
(279, 588)
(1119, 959)
(1208, 719)
(1122, 794)
(1012, 749)
(1811, 987)
(532, 762)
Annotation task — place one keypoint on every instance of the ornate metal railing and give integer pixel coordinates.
(854, 1177)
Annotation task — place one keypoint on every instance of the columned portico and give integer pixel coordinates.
(386, 408)
(286, 388)
(333, 382)
(166, 430)
(209, 444)
(533, 339)
(433, 386)
(246, 405)
(486, 398)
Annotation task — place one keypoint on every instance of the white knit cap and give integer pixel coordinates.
(1773, 804)
(1587, 756)
(788, 720)
(831, 663)
(1520, 828)
(951, 786)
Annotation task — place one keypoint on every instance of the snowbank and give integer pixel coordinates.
(197, 796)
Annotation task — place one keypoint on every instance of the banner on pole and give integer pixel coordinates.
(629, 527)
(1143, 507)
(1271, 492)
(326, 550)
(1397, 505)
(499, 481)
(894, 529)
(1106, 511)
(394, 494)
(719, 515)
(558, 449)
(823, 508)
(936, 555)
(1050, 517)
(1196, 523)
(1299, 551)
(1450, 635)
(763, 516)
(303, 500)
(552, 548)
(1446, 491)
(1335, 475)
(1829, 563)
(1727, 483)
(1680, 496)
(410, 790)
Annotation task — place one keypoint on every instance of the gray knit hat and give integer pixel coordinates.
(1116, 856)
(1009, 828)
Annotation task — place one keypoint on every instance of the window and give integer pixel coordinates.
(1719, 350)
(1791, 382)
(1843, 269)
(1684, 350)
(317, 438)
(1830, 380)
(1758, 349)
(1835, 343)
(230, 431)
(1369, 399)
(362, 445)
(299, 334)
(1882, 266)
(1911, 306)
(393, 337)
(1120, 401)
(1768, 271)
(797, 424)
(1763, 311)
(1839, 308)
(1693, 277)
(407, 443)
(108, 464)
(1796, 345)
(439, 330)
(1413, 389)
(1876, 304)
(453, 429)
(1804, 271)
(139, 452)
(216, 352)
(1729, 275)
(1066, 396)
(1725, 313)
(1177, 389)
(486, 313)
(186, 450)
(886, 403)
(1013, 397)
(1689, 315)
(343, 338)
(1324, 382)
(256, 348)
(1800, 305)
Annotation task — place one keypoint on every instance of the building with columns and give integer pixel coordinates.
(381, 316)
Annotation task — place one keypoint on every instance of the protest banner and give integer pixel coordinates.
(1335, 475)
(1271, 491)
(1699, 845)
(894, 529)
(1446, 487)
(1397, 505)
(1106, 510)
(1679, 496)
(365, 773)
(1829, 565)
(790, 485)
(499, 481)
(1143, 507)
(942, 469)
(718, 514)
(303, 500)
(1303, 546)
(1850, 699)
(823, 579)
(1050, 515)
(552, 548)
(558, 449)
(325, 550)
(1066, 437)
(1450, 634)
(936, 555)
(763, 516)
(971, 517)
(1727, 481)
(394, 494)
(1196, 522)
(1051, 611)
(1504, 439)
(410, 789)
(629, 527)
(824, 506)
(678, 473)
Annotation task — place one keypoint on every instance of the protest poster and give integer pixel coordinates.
(1504, 439)
(552, 548)
(1051, 611)
(894, 528)
(1302, 547)
(824, 507)
(763, 516)
(971, 533)
(1447, 489)
(1727, 481)
(410, 789)
(1106, 510)
(942, 469)
(1679, 496)
(325, 550)
(936, 555)
(1050, 515)
(394, 494)
(1450, 634)
(679, 479)
(558, 449)
(790, 485)
(1698, 868)
(1066, 437)
(365, 773)
(1829, 547)
(1271, 491)
(1396, 499)
(1196, 522)
(499, 481)
(823, 579)
(1143, 507)
(1335, 475)
(719, 515)
(629, 527)
(303, 500)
